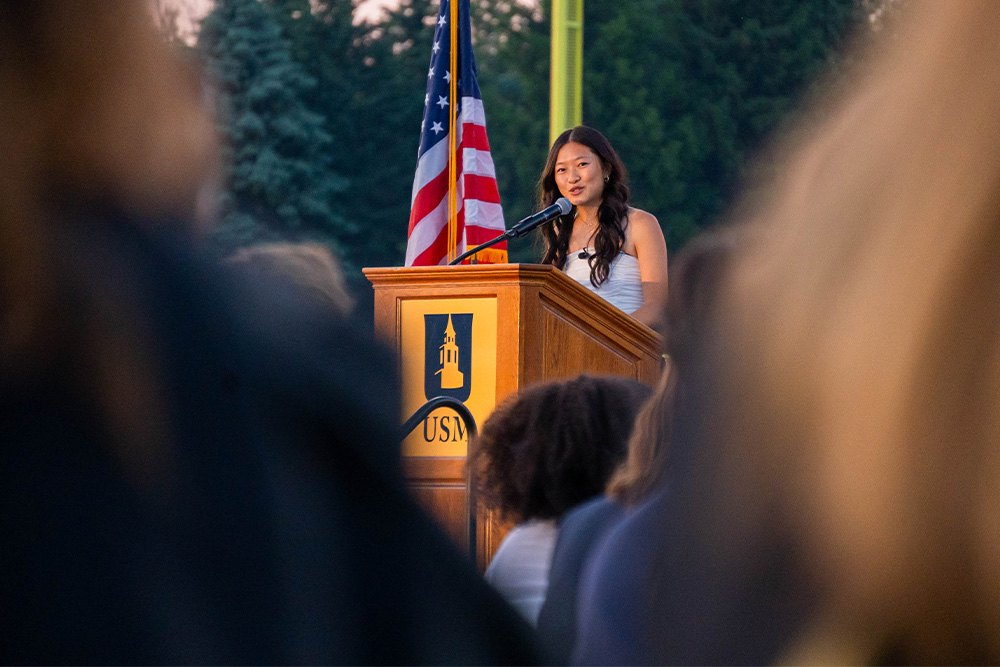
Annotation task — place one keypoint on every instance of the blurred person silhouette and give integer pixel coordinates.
(835, 497)
(694, 282)
(543, 451)
(194, 466)
(310, 267)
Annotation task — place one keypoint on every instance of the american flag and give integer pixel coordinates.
(464, 192)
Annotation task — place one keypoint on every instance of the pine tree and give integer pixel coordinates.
(279, 183)
(371, 88)
(392, 81)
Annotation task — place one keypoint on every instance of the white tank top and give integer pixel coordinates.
(622, 289)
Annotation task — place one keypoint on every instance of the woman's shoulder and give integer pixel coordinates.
(641, 219)
(640, 228)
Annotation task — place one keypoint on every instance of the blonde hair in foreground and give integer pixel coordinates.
(859, 346)
(646, 459)
(98, 113)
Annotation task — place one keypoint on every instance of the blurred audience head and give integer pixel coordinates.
(310, 267)
(856, 354)
(554, 445)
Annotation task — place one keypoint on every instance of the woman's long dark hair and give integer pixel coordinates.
(612, 214)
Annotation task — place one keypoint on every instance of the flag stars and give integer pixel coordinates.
(447, 77)
(436, 47)
(430, 73)
(427, 99)
(436, 128)
(442, 102)
(441, 21)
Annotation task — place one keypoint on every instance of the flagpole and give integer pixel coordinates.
(566, 68)
(452, 135)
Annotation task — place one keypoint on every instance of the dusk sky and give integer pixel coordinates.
(193, 10)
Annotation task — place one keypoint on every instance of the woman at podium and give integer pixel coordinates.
(616, 251)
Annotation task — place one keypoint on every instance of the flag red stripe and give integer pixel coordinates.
(462, 196)
(483, 188)
(474, 136)
(432, 255)
(428, 198)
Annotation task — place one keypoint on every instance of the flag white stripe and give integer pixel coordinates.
(430, 164)
(478, 162)
(487, 215)
(473, 111)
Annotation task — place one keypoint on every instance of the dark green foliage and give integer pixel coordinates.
(711, 80)
(388, 106)
(279, 184)
(371, 90)
(686, 91)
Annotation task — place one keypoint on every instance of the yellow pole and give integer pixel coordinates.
(566, 71)
(452, 132)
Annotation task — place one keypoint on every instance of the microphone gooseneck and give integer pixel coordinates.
(560, 207)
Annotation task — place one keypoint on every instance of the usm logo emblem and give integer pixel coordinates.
(448, 355)
(437, 358)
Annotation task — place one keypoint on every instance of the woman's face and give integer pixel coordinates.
(579, 175)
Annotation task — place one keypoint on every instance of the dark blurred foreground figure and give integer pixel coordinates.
(836, 497)
(611, 611)
(194, 468)
(542, 452)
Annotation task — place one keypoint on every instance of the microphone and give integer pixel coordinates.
(561, 207)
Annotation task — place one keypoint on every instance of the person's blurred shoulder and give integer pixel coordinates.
(580, 531)
(615, 588)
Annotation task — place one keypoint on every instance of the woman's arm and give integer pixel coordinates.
(650, 249)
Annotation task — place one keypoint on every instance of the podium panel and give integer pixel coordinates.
(480, 333)
(447, 347)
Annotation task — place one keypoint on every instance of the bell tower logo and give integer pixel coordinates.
(448, 355)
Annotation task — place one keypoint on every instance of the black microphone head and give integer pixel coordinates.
(564, 206)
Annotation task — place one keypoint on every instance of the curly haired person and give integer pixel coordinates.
(542, 452)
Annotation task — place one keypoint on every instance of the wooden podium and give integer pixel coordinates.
(479, 333)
